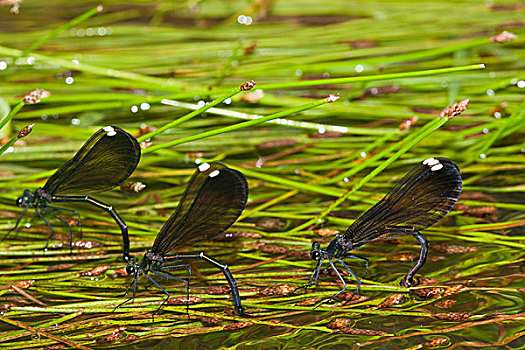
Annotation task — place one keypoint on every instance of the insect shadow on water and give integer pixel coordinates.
(422, 198)
(103, 162)
(214, 198)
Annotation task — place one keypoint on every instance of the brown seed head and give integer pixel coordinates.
(248, 50)
(454, 109)
(359, 331)
(444, 303)
(453, 316)
(308, 302)
(394, 299)
(332, 98)
(183, 301)
(34, 96)
(144, 144)
(407, 124)
(503, 37)
(427, 293)
(248, 85)
(283, 289)
(94, 272)
(117, 334)
(454, 289)
(437, 341)
(217, 290)
(351, 298)
(338, 323)
(273, 249)
(324, 232)
(133, 186)
(452, 249)
(25, 284)
(26, 131)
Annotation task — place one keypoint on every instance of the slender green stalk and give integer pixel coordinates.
(190, 115)
(300, 124)
(377, 77)
(236, 126)
(8, 144)
(11, 114)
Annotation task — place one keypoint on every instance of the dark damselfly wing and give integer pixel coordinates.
(104, 161)
(213, 200)
(424, 196)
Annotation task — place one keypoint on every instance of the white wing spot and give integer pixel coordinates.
(437, 167)
(214, 173)
(110, 131)
(431, 162)
(203, 167)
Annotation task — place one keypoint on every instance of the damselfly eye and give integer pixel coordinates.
(315, 255)
(130, 270)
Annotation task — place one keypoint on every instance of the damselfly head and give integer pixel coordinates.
(131, 268)
(315, 253)
(25, 199)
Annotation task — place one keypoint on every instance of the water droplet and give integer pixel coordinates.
(248, 20)
(483, 156)
(75, 121)
(134, 109)
(362, 154)
(144, 106)
(69, 80)
(3, 65)
(490, 92)
(359, 68)
(227, 101)
(521, 84)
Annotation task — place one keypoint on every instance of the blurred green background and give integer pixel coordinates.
(388, 61)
